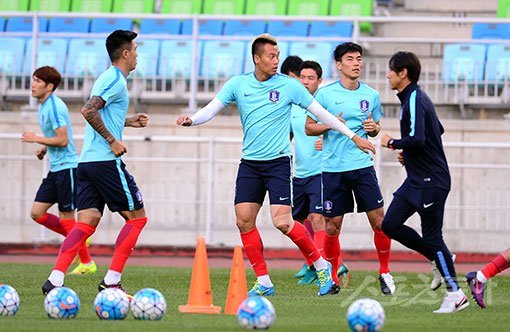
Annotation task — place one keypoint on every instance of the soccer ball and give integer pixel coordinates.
(365, 315)
(148, 304)
(62, 303)
(9, 301)
(256, 312)
(111, 304)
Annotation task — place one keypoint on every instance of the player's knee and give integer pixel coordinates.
(283, 222)
(332, 229)
(38, 216)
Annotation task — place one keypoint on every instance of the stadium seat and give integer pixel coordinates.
(288, 28)
(503, 8)
(50, 6)
(175, 59)
(244, 28)
(181, 7)
(266, 7)
(14, 5)
(92, 6)
(330, 29)
(12, 51)
(498, 63)
(463, 62)
(24, 24)
(308, 7)
(69, 24)
(2, 24)
(223, 7)
(133, 6)
(107, 25)
(283, 46)
(353, 8)
(50, 52)
(491, 31)
(147, 61)
(87, 57)
(222, 59)
(160, 26)
(321, 52)
(207, 27)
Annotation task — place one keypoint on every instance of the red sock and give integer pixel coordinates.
(318, 239)
(254, 249)
(382, 245)
(72, 244)
(299, 236)
(332, 254)
(126, 241)
(52, 222)
(84, 253)
(495, 266)
(309, 229)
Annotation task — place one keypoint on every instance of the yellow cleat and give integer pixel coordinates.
(90, 268)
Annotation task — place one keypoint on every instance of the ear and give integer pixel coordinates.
(320, 80)
(403, 73)
(125, 53)
(50, 86)
(256, 59)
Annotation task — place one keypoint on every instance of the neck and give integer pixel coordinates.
(261, 76)
(404, 85)
(44, 97)
(349, 84)
(122, 67)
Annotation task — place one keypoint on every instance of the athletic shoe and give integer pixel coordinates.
(47, 287)
(310, 276)
(437, 280)
(90, 268)
(343, 269)
(387, 284)
(301, 273)
(102, 286)
(453, 302)
(261, 290)
(325, 280)
(477, 289)
(335, 289)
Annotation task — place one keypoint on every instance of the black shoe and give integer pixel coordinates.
(47, 287)
(102, 286)
(335, 289)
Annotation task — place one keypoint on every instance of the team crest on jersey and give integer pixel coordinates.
(274, 96)
(364, 106)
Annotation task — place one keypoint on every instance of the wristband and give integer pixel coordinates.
(390, 144)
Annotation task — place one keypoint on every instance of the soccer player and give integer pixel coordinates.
(476, 280)
(428, 178)
(291, 66)
(345, 169)
(264, 99)
(59, 184)
(102, 176)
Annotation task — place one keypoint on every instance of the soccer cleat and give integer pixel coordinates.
(325, 280)
(301, 273)
(437, 280)
(90, 268)
(387, 284)
(453, 302)
(47, 287)
(310, 276)
(261, 290)
(335, 289)
(102, 286)
(477, 289)
(343, 269)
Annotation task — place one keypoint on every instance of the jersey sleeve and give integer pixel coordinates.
(319, 96)
(377, 112)
(416, 136)
(108, 88)
(57, 118)
(227, 93)
(299, 94)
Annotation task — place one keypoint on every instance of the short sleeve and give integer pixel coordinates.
(227, 93)
(109, 88)
(57, 118)
(377, 112)
(299, 94)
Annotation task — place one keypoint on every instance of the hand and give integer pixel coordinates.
(401, 158)
(339, 117)
(385, 139)
(139, 120)
(118, 148)
(369, 124)
(318, 144)
(28, 137)
(183, 120)
(40, 153)
(363, 144)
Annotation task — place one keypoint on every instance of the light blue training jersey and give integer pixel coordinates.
(53, 114)
(340, 154)
(111, 87)
(307, 160)
(264, 109)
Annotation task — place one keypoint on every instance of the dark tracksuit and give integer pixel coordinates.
(427, 184)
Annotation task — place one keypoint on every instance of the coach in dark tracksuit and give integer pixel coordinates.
(428, 179)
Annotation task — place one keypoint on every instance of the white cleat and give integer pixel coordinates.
(437, 280)
(453, 302)
(387, 284)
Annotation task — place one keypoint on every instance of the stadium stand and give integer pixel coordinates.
(69, 24)
(308, 7)
(87, 57)
(175, 59)
(50, 6)
(181, 7)
(2, 24)
(11, 55)
(330, 29)
(25, 24)
(50, 52)
(205, 27)
(503, 8)
(14, 5)
(91, 6)
(147, 61)
(222, 59)
(133, 6)
(353, 8)
(223, 7)
(244, 28)
(160, 26)
(498, 63)
(266, 7)
(107, 25)
(288, 28)
(490, 31)
(463, 62)
(320, 52)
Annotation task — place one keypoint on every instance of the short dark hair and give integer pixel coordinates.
(407, 60)
(118, 41)
(48, 75)
(259, 42)
(345, 48)
(292, 64)
(315, 66)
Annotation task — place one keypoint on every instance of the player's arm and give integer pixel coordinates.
(312, 128)
(203, 115)
(371, 127)
(138, 120)
(60, 139)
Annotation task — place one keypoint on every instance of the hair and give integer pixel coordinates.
(48, 75)
(345, 48)
(291, 65)
(118, 41)
(315, 66)
(259, 42)
(407, 60)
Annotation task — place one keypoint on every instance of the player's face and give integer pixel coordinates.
(394, 79)
(350, 65)
(267, 61)
(310, 80)
(39, 88)
(132, 56)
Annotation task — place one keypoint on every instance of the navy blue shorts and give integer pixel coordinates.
(59, 187)
(306, 196)
(337, 190)
(255, 177)
(107, 182)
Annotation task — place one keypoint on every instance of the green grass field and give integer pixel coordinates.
(297, 307)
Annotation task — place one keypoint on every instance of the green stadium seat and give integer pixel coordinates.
(14, 5)
(91, 6)
(353, 8)
(223, 7)
(266, 7)
(133, 6)
(503, 8)
(308, 7)
(181, 7)
(50, 5)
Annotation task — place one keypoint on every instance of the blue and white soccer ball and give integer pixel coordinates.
(62, 303)
(148, 304)
(111, 304)
(9, 300)
(256, 312)
(365, 315)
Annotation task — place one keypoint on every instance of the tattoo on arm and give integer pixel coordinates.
(91, 113)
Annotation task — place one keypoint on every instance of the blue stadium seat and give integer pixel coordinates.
(320, 52)
(147, 61)
(175, 59)
(287, 28)
(12, 51)
(244, 28)
(69, 24)
(498, 63)
(208, 27)
(283, 46)
(108, 25)
(50, 52)
(87, 57)
(222, 58)
(330, 29)
(463, 62)
(2, 24)
(160, 26)
(491, 31)
(24, 24)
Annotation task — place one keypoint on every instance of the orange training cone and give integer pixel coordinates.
(237, 290)
(200, 297)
